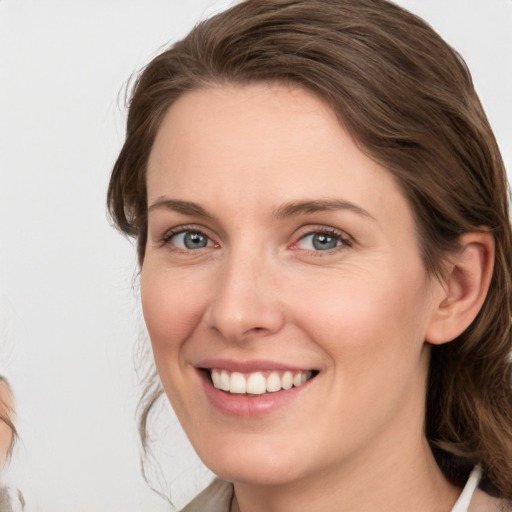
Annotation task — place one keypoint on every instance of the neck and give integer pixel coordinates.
(386, 483)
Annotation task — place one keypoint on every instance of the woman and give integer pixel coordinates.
(321, 217)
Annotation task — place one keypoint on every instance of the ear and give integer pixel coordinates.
(463, 292)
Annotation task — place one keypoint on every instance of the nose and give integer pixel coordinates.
(245, 303)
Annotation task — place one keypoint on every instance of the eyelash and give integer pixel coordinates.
(340, 236)
(166, 239)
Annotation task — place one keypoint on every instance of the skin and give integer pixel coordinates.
(6, 409)
(358, 313)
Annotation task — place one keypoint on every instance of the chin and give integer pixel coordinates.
(254, 466)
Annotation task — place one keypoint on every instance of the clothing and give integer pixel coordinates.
(215, 498)
(218, 496)
(462, 504)
(11, 500)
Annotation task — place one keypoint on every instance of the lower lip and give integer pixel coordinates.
(246, 406)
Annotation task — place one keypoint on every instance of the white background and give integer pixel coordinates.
(68, 308)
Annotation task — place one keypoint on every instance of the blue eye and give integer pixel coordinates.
(190, 240)
(321, 241)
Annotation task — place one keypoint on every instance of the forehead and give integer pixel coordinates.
(262, 144)
(269, 122)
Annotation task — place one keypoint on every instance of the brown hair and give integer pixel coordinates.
(408, 100)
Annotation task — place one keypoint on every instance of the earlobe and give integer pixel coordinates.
(465, 289)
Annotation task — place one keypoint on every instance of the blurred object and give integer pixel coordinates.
(8, 432)
(11, 500)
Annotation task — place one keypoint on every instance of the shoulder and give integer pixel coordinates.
(482, 502)
(11, 500)
(215, 498)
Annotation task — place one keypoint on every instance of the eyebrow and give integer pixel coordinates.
(184, 207)
(320, 205)
(291, 209)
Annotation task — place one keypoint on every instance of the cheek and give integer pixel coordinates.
(5, 440)
(369, 315)
(172, 308)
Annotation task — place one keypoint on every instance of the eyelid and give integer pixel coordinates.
(346, 239)
(165, 239)
(343, 236)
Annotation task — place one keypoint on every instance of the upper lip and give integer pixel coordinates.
(248, 366)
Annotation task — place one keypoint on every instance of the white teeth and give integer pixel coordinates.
(256, 383)
(216, 378)
(287, 380)
(237, 383)
(224, 380)
(273, 382)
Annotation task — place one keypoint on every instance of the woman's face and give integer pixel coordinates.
(279, 253)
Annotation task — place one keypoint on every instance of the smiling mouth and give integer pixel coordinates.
(258, 383)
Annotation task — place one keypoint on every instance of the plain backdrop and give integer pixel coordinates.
(68, 304)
